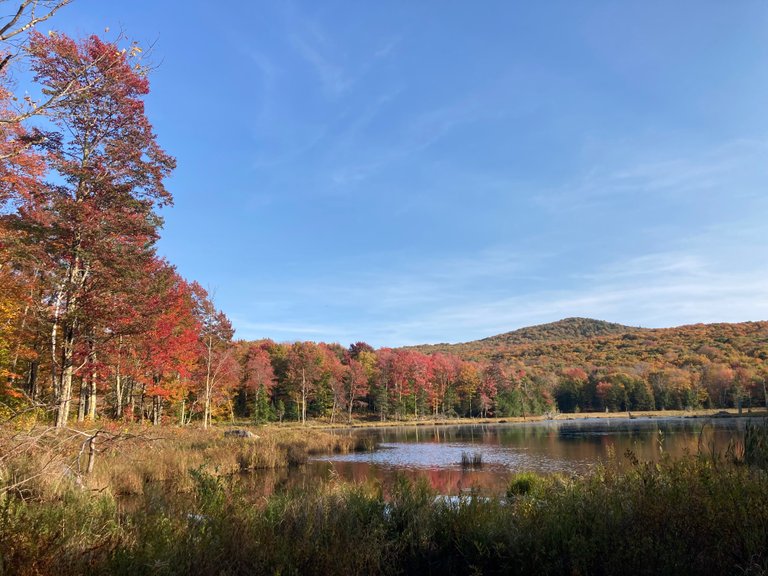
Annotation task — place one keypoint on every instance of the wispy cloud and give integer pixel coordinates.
(364, 303)
(388, 48)
(699, 174)
(655, 290)
(316, 50)
(267, 73)
(353, 160)
(288, 330)
(651, 266)
(472, 297)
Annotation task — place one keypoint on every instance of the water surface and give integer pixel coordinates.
(564, 446)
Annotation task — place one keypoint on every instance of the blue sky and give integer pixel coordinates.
(404, 172)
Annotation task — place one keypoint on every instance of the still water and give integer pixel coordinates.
(574, 446)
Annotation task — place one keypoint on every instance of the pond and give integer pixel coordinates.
(565, 446)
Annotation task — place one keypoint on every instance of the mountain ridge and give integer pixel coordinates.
(571, 328)
(588, 342)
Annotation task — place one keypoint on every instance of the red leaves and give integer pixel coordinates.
(258, 372)
(575, 374)
(172, 342)
(21, 165)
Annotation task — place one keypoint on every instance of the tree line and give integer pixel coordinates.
(277, 381)
(94, 324)
(86, 305)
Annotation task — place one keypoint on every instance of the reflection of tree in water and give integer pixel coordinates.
(541, 446)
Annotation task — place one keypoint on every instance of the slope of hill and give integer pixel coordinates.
(590, 343)
(566, 329)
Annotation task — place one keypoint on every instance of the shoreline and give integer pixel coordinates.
(645, 414)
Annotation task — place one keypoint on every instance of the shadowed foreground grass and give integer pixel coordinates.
(697, 515)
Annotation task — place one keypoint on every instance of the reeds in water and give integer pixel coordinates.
(472, 460)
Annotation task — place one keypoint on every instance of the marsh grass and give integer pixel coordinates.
(43, 462)
(752, 449)
(168, 458)
(525, 484)
(697, 515)
(471, 461)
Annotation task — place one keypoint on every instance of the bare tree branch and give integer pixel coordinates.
(27, 9)
(21, 22)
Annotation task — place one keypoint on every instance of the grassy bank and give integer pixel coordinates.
(43, 461)
(692, 516)
(688, 517)
(428, 421)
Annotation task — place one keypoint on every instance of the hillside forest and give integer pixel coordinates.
(94, 324)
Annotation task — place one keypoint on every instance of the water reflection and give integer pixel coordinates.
(435, 453)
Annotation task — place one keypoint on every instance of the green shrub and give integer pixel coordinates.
(524, 484)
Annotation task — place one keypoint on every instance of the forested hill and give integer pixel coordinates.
(588, 343)
(566, 329)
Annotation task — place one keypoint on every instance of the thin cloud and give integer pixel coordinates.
(332, 75)
(388, 48)
(267, 73)
(672, 295)
(694, 176)
(415, 136)
(445, 302)
(316, 48)
(256, 330)
(650, 265)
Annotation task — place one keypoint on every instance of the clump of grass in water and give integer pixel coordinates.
(365, 444)
(752, 450)
(756, 445)
(473, 460)
(524, 484)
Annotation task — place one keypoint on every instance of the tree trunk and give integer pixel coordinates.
(118, 384)
(81, 406)
(92, 388)
(55, 383)
(32, 379)
(141, 404)
(91, 453)
(131, 398)
(303, 397)
(208, 384)
(190, 413)
(118, 394)
(765, 392)
(157, 408)
(74, 283)
(65, 387)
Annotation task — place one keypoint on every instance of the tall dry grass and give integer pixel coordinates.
(127, 459)
(702, 514)
(169, 457)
